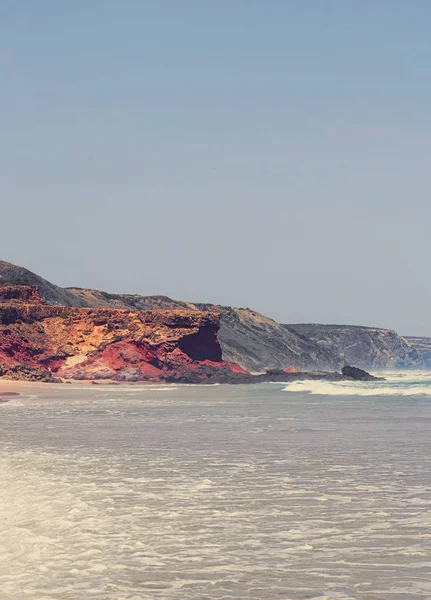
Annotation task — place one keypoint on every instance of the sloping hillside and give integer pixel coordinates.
(98, 299)
(257, 342)
(53, 294)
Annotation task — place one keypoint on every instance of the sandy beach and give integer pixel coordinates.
(9, 388)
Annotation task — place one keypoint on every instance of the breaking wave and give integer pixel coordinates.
(397, 383)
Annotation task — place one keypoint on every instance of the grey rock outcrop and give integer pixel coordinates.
(359, 374)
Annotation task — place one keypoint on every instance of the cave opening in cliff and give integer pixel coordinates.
(202, 345)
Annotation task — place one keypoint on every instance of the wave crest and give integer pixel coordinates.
(400, 384)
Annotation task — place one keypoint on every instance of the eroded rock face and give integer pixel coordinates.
(21, 294)
(250, 339)
(258, 343)
(246, 337)
(19, 373)
(86, 343)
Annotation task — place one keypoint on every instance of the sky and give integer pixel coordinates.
(270, 154)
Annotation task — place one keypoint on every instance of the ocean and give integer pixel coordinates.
(306, 490)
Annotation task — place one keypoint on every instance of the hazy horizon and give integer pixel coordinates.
(271, 156)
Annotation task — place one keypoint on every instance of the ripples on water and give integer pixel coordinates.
(214, 492)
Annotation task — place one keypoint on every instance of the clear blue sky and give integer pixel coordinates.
(271, 154)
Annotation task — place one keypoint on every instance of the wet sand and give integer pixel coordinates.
(5, 396)
(13, 385)
(8, 389)
(11, 388)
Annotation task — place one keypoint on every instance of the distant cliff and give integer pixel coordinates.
(422, 346)
(365, 347)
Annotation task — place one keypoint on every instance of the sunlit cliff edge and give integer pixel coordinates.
(240, 336)
(40, 341)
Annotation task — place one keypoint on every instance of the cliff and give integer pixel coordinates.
(259, 343)
(248, 338)
(19, 294)
(422, 347)
(38, 340)
(365, 347)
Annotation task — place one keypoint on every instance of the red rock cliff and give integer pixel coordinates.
(20, 294)
(81, 343)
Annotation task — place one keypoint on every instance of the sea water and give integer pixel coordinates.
(307, 490)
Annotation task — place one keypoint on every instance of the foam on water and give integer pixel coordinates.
(414, 383)
(227, 492)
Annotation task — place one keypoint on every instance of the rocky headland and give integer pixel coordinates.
(86, 333)
(41, 341)
(365, 347)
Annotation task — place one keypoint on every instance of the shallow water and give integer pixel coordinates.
(224, 492)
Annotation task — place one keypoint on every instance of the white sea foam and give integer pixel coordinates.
(171, 496)
(400, 383)
(406, 376)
